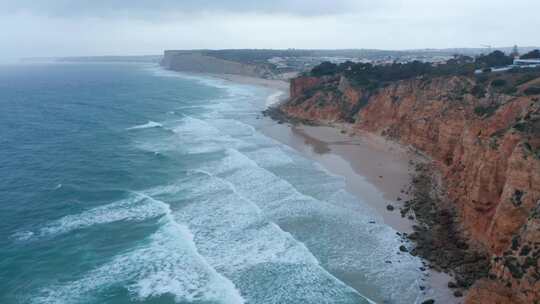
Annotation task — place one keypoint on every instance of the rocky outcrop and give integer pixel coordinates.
(486, 146)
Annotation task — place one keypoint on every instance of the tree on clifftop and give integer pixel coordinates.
(325, 68)
(532, 55)
(494, 59)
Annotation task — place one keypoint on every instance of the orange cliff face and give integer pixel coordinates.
(487, 149)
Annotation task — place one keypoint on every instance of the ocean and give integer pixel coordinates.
(125, 183)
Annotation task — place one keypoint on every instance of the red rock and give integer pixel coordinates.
(483, 160)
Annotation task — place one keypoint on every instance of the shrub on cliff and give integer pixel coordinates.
(478, 91)
(525, 78)
(324, 69)
(485, 110)
(498, 83)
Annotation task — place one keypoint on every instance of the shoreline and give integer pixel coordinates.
(280, 86)
(377, 171)
(374, 171)
(361, 159)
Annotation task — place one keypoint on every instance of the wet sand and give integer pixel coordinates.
(375, 171)
(281, 87)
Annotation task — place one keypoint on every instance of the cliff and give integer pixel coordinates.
(200, 62)
(484, 137)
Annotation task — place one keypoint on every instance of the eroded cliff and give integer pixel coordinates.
(200, 62)
(483, 134)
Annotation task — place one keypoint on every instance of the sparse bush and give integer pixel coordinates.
(511, 90)
(498, 83)
(482, 78)
(485, 111)
(525, 78)
(478, 91)
(520, 126)
(532, 91)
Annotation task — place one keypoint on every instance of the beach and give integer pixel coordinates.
(375, 170)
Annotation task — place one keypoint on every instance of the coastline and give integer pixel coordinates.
(375, 171)
(280, 86)
(364, 160)
(378, 171)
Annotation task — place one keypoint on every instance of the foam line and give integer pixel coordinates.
(306, 256)
(148, 125)
(136, 207)
(168, 264)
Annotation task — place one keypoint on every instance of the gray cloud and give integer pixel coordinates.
(161, 8)
(116, 27)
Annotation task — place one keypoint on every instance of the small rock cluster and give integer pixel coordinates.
(437, 236)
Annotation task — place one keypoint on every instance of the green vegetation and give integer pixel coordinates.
(525, 78)
(510, 90)
(532, 91)
(485, 110)
(494, 59)
(324, 69)
(374, 76)
(498, 83)
(531, 55)
(478, 91)
(529, 149)
(254, 55)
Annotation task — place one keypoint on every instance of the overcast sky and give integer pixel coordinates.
(122, 27)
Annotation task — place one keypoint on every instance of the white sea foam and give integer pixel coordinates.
(233, 127)
(274, 98)
(271, 157)
(168, 264)
(148, 125)
(236, 238)
(23, 235)
(338, 232)
(240, 206)
(198, 136)
(136, 207)
(239, 199)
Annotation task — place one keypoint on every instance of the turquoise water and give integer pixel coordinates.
(124, 183)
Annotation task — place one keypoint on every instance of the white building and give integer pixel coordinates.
(530, 63)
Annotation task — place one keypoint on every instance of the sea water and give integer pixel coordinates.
(124, 183)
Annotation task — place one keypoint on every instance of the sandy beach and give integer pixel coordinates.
(280, 86)
(375, 171)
